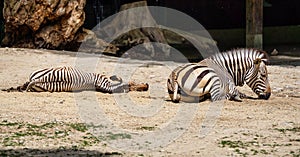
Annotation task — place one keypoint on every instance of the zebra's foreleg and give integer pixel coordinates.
(233, 94)
(234, 98)
(238, 96)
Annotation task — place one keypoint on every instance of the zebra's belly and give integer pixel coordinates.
(60, 87)
(192, 97)
(197, 91)
(195, 87)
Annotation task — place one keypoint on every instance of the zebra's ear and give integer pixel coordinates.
(257, 61)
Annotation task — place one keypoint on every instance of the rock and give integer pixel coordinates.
(274, 52)
(42, 24)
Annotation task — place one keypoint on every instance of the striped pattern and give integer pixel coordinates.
(218, 76)
(64, 79)
(246, 66)
(194, 81)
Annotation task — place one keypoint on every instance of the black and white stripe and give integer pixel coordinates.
(246, 66)
(219, 75)
(194, 81)
(64, 79)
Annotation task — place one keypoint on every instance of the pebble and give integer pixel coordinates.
(151, 76)
(277, 89)
(61, 102)
(274, 52)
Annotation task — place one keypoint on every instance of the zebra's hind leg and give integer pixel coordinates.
(23, 87)
(29, 85)
(18, 89)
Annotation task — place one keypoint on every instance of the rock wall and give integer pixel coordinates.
(51, 24)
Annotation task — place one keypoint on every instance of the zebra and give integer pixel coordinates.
(66, 79)
(218, 76)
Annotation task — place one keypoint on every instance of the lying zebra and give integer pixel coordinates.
(218, 76)
(66, 79)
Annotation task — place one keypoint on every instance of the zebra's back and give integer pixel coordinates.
(64, 79)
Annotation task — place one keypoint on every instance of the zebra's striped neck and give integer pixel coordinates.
(239, 63)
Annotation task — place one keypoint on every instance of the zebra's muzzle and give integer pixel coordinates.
(265, 96)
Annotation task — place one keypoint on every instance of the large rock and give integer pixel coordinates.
(49, 24)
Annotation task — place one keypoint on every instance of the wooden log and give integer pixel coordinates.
(254, 23)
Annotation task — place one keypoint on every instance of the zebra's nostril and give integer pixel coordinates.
(265, 96)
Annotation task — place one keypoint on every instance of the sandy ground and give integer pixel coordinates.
(154, 126)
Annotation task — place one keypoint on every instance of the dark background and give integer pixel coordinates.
(212, 14)
(224, 19)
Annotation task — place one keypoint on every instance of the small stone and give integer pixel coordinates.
(151, 76)
(274, 52)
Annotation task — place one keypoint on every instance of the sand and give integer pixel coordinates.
(141, 123)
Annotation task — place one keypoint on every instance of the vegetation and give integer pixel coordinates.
(19, 133)
(258, 144)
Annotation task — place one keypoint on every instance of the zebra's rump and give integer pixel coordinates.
(194, 81)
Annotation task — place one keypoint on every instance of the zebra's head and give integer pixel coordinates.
(258, 80)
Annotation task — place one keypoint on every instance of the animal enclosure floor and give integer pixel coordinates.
(51, 123)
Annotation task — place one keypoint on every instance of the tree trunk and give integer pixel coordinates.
(254, 23)
(131, 28)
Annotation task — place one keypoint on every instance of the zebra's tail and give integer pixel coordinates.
(18, 88)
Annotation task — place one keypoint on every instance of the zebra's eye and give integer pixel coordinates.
(262, 74)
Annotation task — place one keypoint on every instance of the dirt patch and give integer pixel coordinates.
(50, 123)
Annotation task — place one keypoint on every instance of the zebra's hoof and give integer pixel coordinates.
(236, 98)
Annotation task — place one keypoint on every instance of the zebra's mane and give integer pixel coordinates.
(260, 53)
(237, 63)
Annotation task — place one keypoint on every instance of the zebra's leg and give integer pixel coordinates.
(242, 95)
(23, 87)
(30, 84)
(176, 95)
(233, 93)
(215, 96)
(234, 98)
(217, 92)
